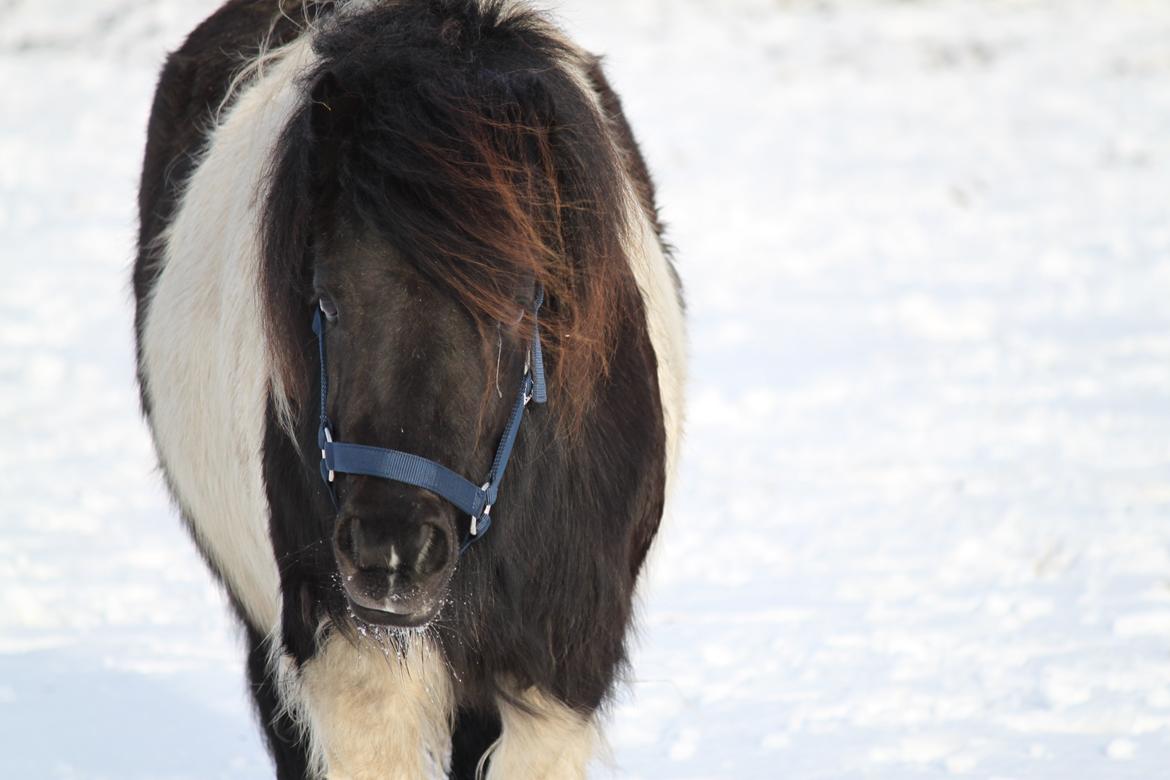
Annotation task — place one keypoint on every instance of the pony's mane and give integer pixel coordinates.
(464, 133)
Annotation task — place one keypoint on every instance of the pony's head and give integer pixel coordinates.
(407, 372)
(449, 160)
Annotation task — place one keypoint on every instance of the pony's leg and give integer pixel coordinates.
(544, 740)
(475, 733)
(285, 743)
(378, 713)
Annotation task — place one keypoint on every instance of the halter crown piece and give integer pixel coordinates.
(475, 500)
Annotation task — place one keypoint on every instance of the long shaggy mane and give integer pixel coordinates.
(462, 131)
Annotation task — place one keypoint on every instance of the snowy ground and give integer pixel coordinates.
(923, 522)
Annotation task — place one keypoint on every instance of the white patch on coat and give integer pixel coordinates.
(376, 712)
(550, 743)
(208, 372)
(664, 320)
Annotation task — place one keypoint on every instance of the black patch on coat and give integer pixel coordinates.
(281, 735)
(545, 599)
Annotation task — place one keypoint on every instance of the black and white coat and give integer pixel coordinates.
(332, 702)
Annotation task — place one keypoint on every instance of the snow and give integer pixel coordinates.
(922, 525)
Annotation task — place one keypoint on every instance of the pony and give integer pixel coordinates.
(370, 234)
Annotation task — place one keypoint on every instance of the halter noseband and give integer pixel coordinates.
(475, 500)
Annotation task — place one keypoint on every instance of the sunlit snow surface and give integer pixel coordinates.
(922, 525)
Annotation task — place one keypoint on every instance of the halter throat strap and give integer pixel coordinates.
(474, 500)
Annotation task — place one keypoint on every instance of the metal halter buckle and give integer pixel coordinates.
(529, 385)
(328, 438)
(487, 510)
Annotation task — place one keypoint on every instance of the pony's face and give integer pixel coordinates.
(409, 369)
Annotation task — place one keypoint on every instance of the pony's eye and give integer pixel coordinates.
(328, 308)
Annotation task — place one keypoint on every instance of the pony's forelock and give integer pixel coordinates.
(464, 133)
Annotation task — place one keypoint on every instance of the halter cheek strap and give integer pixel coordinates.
(474, 500)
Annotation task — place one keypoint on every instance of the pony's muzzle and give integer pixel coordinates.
(394, 569)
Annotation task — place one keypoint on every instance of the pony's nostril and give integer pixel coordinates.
(432, 550)
(346, 541)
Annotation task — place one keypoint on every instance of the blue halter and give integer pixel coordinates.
(475, 501)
